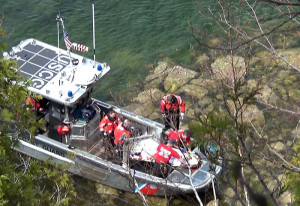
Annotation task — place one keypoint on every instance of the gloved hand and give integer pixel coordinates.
(182, 115)
(103, 133)
(185, 166)
(122, 138)
(164, 115)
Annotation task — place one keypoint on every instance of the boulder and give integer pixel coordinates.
(151, 95)
(250, 114)
(157, 76)
(177, 78)
(225, 68)
(267, 95)
(292, 55)
(147, 104)
(202, 60)
(279, 146)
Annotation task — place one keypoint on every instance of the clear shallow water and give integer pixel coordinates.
(130, 34)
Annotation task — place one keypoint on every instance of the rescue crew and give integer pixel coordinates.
(121, 132)
(40, 108)
(31, 102)
(170, 107)
(63, 130)
(182, 138)
(164, 153)
(108, 124)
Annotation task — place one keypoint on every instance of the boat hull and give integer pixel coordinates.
(100, 170)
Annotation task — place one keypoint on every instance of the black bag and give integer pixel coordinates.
(85, 114)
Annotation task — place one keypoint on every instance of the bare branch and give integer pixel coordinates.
(291, 166)
(282, 3)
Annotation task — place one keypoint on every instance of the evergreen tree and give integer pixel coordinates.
(23, 180)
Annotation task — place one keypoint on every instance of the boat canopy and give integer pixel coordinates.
(56, 74)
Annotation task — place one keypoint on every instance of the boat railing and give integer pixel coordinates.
(132, 140)
(132, 116)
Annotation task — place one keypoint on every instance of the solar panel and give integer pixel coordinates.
(52, 73)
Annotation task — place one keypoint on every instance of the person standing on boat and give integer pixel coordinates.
(171, 107)
(164, 153)
(35, 105)
(121, 132)
(108, 124)
(182, 138)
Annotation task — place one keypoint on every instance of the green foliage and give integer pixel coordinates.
(2, 34)
(293, 178)
(23, 180)
(214, 127)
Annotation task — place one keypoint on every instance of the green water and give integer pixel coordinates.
(130, 34)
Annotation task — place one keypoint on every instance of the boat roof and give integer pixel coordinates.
(55, 73)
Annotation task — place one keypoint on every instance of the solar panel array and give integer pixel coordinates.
(40, 64)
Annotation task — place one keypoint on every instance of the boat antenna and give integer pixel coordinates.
(58, 19)
(94, 44)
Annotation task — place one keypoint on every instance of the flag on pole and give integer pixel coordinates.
(80, 47)
(67, 40)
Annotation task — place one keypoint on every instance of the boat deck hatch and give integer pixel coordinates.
(176, 176)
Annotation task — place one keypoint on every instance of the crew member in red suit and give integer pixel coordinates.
(30, 101)
(162, 156)
(122, 131)
(63, 130)
(182, 138)
(108, 124)
(170, 107)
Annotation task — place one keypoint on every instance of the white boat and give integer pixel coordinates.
(65, 81)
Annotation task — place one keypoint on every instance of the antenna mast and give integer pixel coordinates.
(94, 44)
(57, 20)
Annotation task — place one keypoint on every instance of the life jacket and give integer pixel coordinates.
(119, 132)
(177, 135)
(174, 106)
(108, 125)
(32, 102)
(63, 130)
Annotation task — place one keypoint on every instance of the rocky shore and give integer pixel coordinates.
(277, 83)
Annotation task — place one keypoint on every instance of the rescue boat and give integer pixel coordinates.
(65, 82)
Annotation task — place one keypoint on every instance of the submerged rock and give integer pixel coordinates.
(279, 146)
(177, 78)
(227, 68)
(157, 76)
(147, 103)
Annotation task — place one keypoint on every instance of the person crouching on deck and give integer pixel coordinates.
(182, 138)
(170, 107)
(164, 153)
(107, 126)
